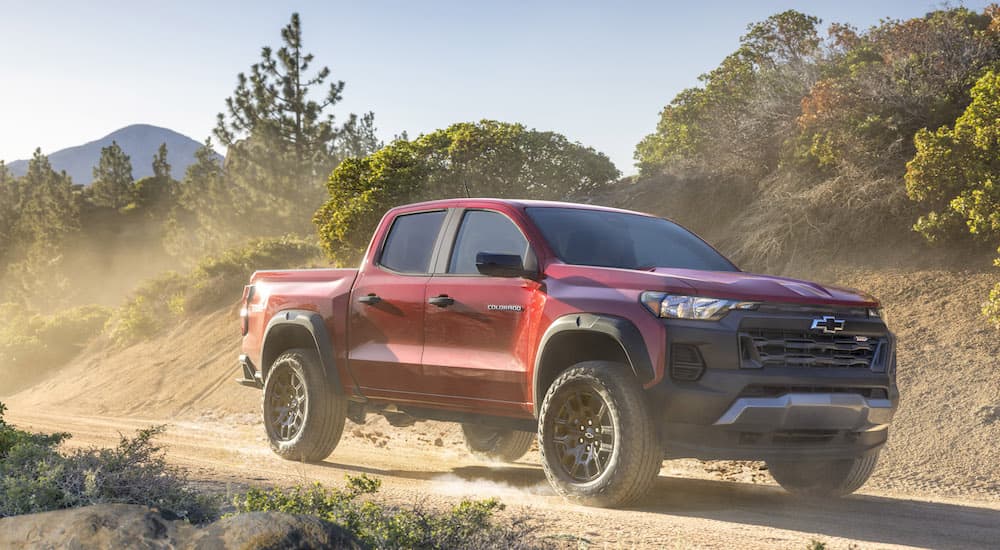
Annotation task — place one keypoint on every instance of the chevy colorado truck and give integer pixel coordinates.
(614, 339)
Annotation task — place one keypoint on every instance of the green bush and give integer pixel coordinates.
(470, 524)
(11, 437)
(955, 176)
(149, 310)
(32, 344)
(218, 280)
(992, 308)
(479, 159)
(35, 476)
(804, 139)
(214, 282)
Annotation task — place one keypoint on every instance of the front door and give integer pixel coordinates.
(386, 335)
(476, 345)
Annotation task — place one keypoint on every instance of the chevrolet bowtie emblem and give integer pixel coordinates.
(828, 324)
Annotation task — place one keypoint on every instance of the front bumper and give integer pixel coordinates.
(808, 411)
(739, 410)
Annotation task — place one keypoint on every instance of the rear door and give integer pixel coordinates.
(386, 335)
(476, 344)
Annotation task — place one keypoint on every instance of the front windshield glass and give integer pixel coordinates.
(628, 241)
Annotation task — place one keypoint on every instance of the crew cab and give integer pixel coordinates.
(612, 338)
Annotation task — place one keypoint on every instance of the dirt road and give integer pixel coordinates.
(689, 507)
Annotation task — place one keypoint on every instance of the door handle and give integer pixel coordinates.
(370, 299)
(441, 301)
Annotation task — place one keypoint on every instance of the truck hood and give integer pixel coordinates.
(734, 285)
(766, 288)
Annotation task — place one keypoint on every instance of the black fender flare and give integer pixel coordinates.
(313, 323)
(620, 329)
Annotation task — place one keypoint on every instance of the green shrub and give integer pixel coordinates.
(35, 476)
(992, 308)
(32, 344)
(218, 280)
(213, 283)
(955, 174)
(470, 524)
(485, 158)
(149, 310)
(11, 437)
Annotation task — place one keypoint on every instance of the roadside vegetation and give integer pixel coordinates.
(38, 475)
(470, 524)
(32, 344)
(809, 140)
(480, 159)
(215, 281)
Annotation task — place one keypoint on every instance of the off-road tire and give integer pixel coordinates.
(320, 420)
(631, 465)
(501, 444)
(825, 478)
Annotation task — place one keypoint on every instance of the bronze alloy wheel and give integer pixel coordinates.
(287, 404)
(584, 435)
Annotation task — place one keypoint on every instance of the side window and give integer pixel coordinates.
(410, 243)
(484, 231)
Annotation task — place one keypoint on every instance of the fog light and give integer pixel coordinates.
(686, 362)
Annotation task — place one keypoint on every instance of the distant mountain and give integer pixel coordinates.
(139, 141)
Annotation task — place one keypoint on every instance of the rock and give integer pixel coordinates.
(988, 415)
(132, 526)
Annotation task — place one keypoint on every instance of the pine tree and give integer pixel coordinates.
(207, 214)
(161, 168)
(49, 215)
(156, 194)
(49, 211)
(10, 212)
(282, 143)
(359, 138)
(113, 186)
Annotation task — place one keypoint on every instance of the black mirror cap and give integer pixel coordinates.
(502, 265)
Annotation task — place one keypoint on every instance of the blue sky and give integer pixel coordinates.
(598, 72)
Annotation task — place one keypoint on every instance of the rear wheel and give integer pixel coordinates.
(824, 477)
(303, 414)
(497, 443)
(596, 436)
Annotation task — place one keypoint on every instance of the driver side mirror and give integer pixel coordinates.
(502, 265)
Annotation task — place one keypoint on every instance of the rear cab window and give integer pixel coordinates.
(409, 246)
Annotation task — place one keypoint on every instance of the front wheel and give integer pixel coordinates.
(596, 436)
(303, 415)
(828, 478)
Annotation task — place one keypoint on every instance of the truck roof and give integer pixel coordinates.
(517, 203)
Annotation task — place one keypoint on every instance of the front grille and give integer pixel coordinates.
(791, 348)
(813, 311)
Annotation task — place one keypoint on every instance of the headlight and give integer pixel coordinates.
(673, 306)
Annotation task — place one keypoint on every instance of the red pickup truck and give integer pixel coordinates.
(615, 339)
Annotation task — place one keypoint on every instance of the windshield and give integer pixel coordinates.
(627, 241)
